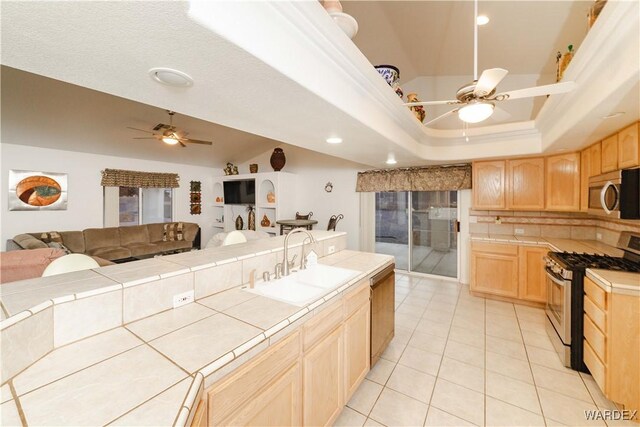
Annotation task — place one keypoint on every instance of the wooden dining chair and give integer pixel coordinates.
(333, 221)
(301, 216)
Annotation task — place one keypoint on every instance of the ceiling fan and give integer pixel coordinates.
(169, 134)
(477, 99)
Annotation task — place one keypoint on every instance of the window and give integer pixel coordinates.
(126, 206)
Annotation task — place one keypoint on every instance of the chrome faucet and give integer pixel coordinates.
(285, 264)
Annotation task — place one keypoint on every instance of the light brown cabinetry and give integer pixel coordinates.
(563, 182)
(585, 168)
(509, 271)
(531, 278)
(525, 184)
(356, 343)
(609, 154)
(629, 147)
(323, 381)
(494, 269)
(611, 342)
(595, 159)
(489, 189)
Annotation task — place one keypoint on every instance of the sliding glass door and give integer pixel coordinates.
(392, 226)
(420, 229)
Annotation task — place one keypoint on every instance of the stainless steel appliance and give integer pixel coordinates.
(565, 294)
(383, 291)
(615, 194)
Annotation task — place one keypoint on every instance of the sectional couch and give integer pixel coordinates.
(118, 243)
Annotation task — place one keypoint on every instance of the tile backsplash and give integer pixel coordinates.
(564, 225)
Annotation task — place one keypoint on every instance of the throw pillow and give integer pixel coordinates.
(52, 236)
(56, 245)
(173, 231)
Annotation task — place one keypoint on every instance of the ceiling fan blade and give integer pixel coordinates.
(531, 92)
(413, 104)
(489, 80)
(180, 142)
(441, 117)
(145, 137)
(196, 141)
(141, 130)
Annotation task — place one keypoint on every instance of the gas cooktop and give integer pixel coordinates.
(576, 261)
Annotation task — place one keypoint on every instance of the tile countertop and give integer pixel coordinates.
(152, 371)
(609, 280)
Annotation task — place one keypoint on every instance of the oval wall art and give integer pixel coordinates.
(29, 190)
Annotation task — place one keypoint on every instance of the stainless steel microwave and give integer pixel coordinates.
(615, 194)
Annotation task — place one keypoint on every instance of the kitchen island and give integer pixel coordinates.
(119, 353)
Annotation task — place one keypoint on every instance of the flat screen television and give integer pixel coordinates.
(240, 192)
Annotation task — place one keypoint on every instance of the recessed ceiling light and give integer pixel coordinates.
(391, 160)
(613, 115)
(334, 140)
(170, 77)
(482, 20)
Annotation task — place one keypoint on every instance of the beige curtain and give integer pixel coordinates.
(428, 178)
(124, 178)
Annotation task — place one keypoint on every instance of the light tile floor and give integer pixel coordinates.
(460, 360)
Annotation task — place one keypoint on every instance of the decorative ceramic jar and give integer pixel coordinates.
(251, 221)
(253, 168)
(239, 223)
(396, 87)
(417, 110)
(390, 73)
(278, 159)
(265, 221)
(594, 11)
(271, 197)
(563, 62)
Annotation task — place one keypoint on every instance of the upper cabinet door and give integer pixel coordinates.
(525, 180)
(489, 181)
(563, 182)
(610, 154)
(629, 147)
(595, 159)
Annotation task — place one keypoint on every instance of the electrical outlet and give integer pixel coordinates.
(183, 299)
(598, 236)
(518, 231)
(331, 249)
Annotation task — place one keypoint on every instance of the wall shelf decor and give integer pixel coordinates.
(195, 195)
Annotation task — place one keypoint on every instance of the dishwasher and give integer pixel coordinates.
(383, 293)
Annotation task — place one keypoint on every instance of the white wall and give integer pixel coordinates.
(85, 195)
(314, 170)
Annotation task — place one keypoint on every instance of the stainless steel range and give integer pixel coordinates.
(565, 276)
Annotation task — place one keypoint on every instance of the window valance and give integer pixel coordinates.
(124, 178)
(427, 178)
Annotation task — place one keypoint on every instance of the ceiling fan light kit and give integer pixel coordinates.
(169, 140)
(476, 111)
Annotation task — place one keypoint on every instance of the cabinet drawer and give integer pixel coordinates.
(357, 298)
(495, 248)
(595, 365)
(596, 338)
(233, 391)
(597, 315)
(321, 324)
(596, 293)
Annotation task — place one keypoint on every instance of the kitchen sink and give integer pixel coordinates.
(305, 286)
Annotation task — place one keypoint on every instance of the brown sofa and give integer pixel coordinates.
(119, 243)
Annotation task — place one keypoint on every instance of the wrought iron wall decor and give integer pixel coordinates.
(195, 195)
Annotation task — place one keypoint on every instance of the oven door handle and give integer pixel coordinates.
(554, 279)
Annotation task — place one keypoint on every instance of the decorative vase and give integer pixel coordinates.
(595, 11)
(265, 221)
(239, 223)
(271, 197)
(253, 168)
(417, 110)
(396, 87)
(390, 73)
(251, 220)
(278, 159)
(563, 62)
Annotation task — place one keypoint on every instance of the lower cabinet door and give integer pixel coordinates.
(533, 285)
(323, 380)
(357, 349)
(495, 274)
(278, 405)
